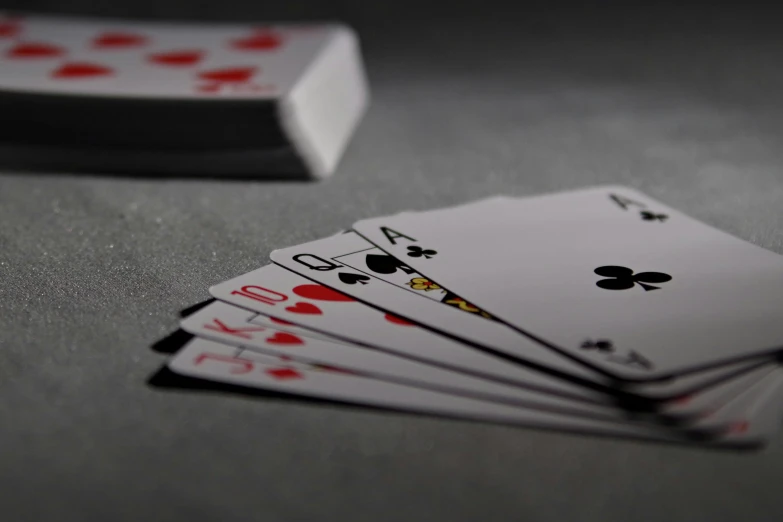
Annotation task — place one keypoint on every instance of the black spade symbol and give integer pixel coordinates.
(385, 264)
(352, 279)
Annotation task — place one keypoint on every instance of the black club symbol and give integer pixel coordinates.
(652, 216)
(623, 278)
(601, 345)
(417, 251)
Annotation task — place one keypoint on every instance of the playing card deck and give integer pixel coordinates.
(596, 311)
(217, 99)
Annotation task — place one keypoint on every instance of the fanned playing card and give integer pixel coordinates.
(432, 317)
(235, 365)
(231, 325)
(267, 334)
(350, 264)
(605, 275)
(287, 296)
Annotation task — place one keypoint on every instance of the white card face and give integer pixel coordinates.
(228, 324)
(716, 397)
(750, 406)
(757, 410)
(606, 275)
(222, 363)
(340, 262)
(224, 323)
(142, 60)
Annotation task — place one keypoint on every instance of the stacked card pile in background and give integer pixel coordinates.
(192, 99)
(598, 311)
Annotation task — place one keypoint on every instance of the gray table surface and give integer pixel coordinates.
(95, 268)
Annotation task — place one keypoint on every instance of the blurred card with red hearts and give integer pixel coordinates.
(131, 59)
(310, 77)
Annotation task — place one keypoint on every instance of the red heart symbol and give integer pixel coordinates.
(397, 320)
(118, 40)
(304, 308)
(9, 29)
(320, 293)
(233, 74)
(35, 50)
(685, 399)
(739, 427)
(282, 374)
(177, 58)
(280, 321)
(258, 42)
(81, 70)
(212, 88)
(284, 338)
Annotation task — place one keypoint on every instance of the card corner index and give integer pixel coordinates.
(611, 188)
(276, 256)
(632, 192)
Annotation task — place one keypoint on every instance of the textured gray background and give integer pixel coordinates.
(685, 106)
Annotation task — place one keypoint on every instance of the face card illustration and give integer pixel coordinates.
(318, 261)
(390, 269)
(615, 279)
